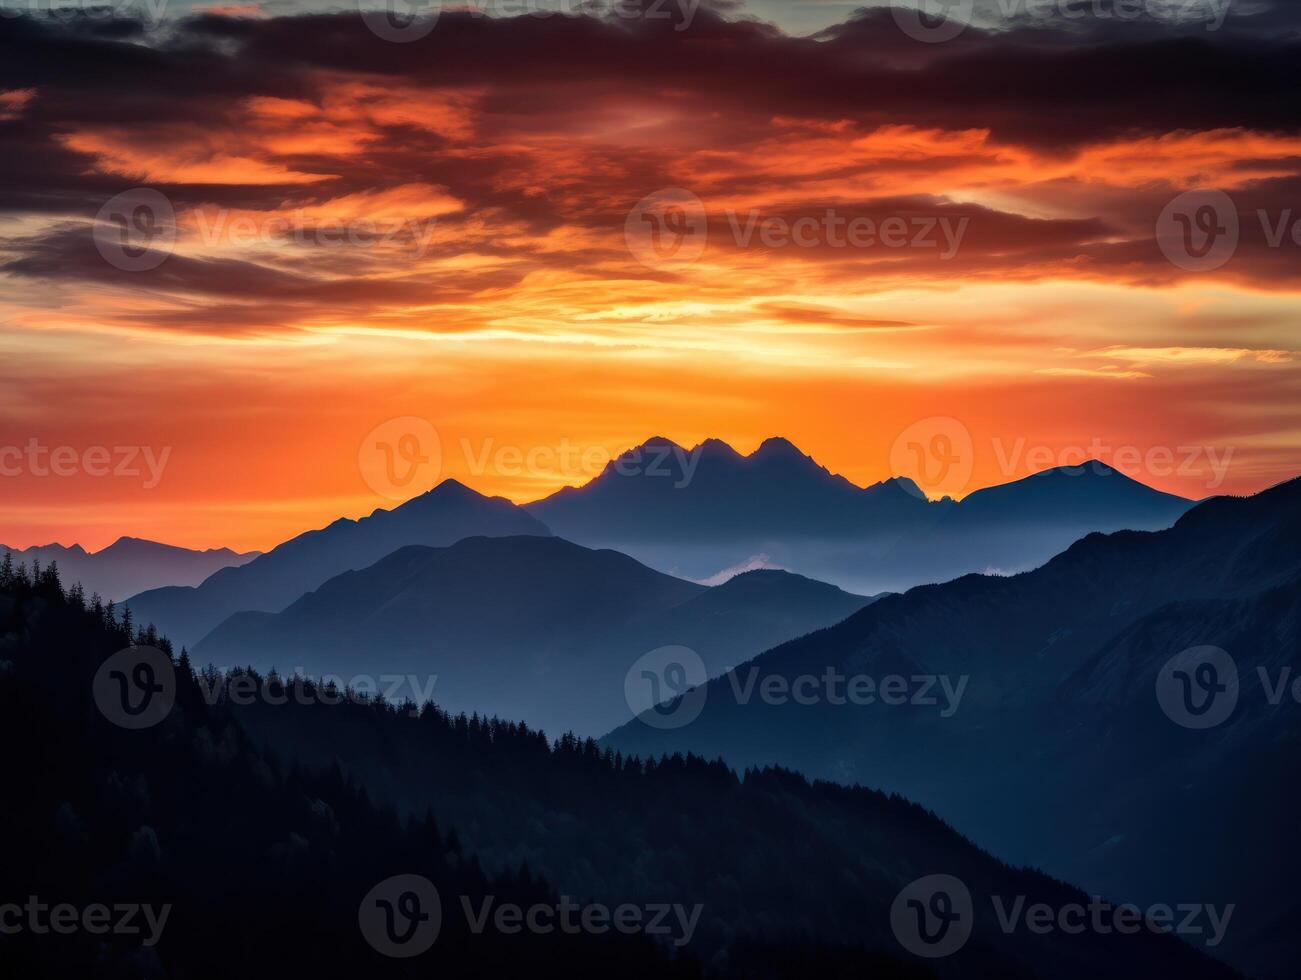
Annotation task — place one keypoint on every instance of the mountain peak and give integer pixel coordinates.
(904, 483)
(454, 487)
(1089, 467)
(656, 447)
(447, 490)
(658, 443)
(1090, 491)
(126, 541)
(778, 447)
(716, 449)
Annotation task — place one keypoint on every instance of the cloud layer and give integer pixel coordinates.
(689, 193)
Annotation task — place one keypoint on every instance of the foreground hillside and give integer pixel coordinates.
(255, 827)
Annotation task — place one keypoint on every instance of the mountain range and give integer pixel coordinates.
(1059, 753)
(131, 565)
(695, 512)
(1036, 713)
(700, 515)
(447, 513)
(532, 628)
(263, 830)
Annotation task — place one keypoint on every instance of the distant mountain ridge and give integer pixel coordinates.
(534, 628)
(694, 512)
(447, 513)
(1060, 712)
(678, 492)
(130, 565)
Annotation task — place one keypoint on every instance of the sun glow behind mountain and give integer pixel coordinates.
(492, 169)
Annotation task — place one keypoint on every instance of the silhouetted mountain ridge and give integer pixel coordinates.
(1060, 715)
(535, 628)
(447, 513)
(130, 565)
(694, 512)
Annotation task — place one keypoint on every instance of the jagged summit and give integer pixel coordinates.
(778, 447)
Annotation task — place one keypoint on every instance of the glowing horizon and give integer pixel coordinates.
(583, 231)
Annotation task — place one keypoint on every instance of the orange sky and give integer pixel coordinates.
(473, 254)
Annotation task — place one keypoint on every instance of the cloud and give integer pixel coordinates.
(1195, 355)
(442, 227)
(751, 564)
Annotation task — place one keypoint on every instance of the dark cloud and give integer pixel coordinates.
(1061, 82)
(1050, 87)
(233, 296)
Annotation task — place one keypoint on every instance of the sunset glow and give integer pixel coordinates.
(449, 230)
